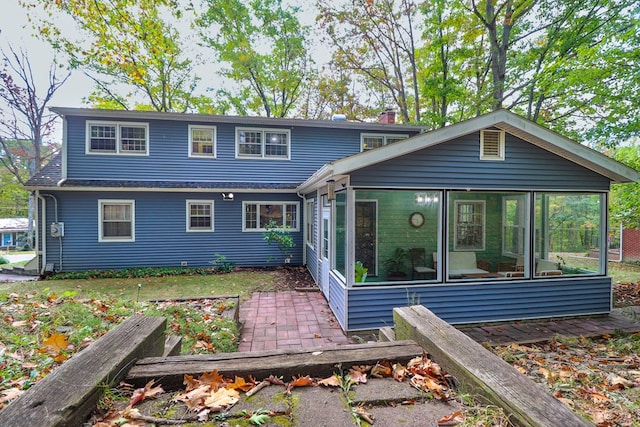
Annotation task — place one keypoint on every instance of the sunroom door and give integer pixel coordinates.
(366, 234)
(325, 250)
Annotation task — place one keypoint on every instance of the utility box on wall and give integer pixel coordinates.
(57, 229)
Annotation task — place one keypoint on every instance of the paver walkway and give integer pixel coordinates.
(300, 320)
(288, 320)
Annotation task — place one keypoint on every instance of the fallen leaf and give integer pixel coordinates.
(241, 384)
(222, 399)
(362, 413)
(399, 372)
(451, 419)
(10, 394)
(194, 399)
(332, 381)
(300, 382)
(381, 371)
(213, 378)
(357, 376)
(148, 391)
(56, 343)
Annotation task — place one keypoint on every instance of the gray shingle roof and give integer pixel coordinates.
(51, 175)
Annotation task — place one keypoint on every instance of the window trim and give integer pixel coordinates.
(384, 136)
(101, 204)
(262, 155)
(190, 202)
(501, 144)
(309, 216)
(268, 202)
(483, 224)
(214, 144)
(118, 151)
(522, 226)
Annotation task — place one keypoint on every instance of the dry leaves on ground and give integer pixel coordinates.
(596, 378)
(211, 393)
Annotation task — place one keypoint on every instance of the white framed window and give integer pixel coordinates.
(257, 215)
(491, 144)
(513, 225)
(469, 217)
(116, 220)
(255, 143)
(202, 141)
(125, 138)
(199, 215)
(369, 141)
(309, 217)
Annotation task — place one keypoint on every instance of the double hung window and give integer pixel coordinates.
(202, 141)
(117, 138)
(262, 143)
(199, 215)
(116, 222)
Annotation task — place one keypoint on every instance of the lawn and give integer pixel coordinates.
(242, 283)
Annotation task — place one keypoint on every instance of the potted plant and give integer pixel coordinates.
(397, 264)
(360, 272)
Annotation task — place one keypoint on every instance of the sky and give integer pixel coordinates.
(16, 31)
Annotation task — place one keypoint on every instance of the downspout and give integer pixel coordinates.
(36, 234)
(304, 228)
(55, 210)
(41, 234)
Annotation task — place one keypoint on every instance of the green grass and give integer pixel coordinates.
(242, 283)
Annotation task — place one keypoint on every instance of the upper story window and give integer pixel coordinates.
(117, 138)
(258, 215)
(202, 141)
(491, 144)
(199, 215)
(262, 143)
(369, 141)
(116, 221)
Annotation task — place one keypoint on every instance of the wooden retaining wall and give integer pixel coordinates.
(68, 395)
(480, 371)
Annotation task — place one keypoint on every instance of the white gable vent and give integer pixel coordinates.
(491, 144)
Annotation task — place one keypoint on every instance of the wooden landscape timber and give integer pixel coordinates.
(480, 371)
(67, 395)
(320, 362)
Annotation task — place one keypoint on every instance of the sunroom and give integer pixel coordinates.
(429, 221)
(452, 236)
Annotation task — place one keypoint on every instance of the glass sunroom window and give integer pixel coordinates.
(341, 233)
(487, 235)
(568, 234)
(397, 234)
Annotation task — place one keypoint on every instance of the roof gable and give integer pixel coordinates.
(502, 119)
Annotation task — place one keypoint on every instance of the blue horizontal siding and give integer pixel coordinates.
(338, 301)
(456, 164)
(168, 155)
(160, 232)
(372, 308)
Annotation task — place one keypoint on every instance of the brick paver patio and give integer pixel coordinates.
(288, 320)
(300, 320)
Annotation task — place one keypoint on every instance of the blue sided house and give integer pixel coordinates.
(490, 219)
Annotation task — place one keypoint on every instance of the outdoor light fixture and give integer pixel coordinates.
(331, 189)
(227, 196)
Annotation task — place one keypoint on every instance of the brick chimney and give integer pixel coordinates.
(388, 116)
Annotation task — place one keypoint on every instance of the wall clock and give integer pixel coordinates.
(416, 219)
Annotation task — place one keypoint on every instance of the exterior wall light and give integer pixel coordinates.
(227, 197)
(331, 189)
